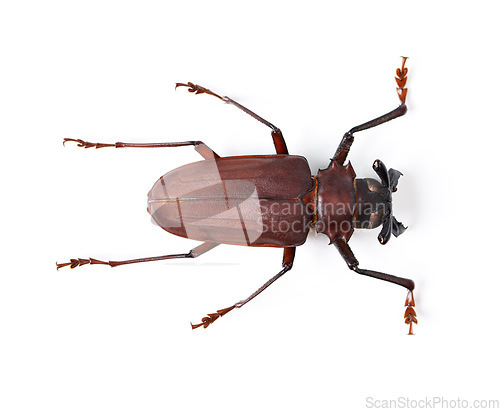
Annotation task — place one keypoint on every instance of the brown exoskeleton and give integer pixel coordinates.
(246, 200)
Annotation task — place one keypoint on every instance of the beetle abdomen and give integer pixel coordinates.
(242, 200)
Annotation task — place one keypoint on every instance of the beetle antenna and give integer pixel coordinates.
(410, 314)
(401, 81)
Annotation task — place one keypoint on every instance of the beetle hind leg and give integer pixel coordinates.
(288, 256)
(193, 253)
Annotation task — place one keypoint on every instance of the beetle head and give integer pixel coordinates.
(374, 203)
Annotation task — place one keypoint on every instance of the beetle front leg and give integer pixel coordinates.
(288, 256)
(278, 139)
(348, 139)
(410, 315)
(193, 253)
(199, 146)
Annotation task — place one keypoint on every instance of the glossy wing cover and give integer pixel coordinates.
(242, 200)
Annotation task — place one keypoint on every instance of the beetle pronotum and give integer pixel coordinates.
(271, 201)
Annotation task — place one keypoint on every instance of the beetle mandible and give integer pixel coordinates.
(272, 201)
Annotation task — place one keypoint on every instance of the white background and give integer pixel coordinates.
(322, 338)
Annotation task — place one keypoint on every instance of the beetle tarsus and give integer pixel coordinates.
(86, 145)
(212, 317)
(74, 263)
(197, 89)
(197, 251)
(401, 80)
(410, 314)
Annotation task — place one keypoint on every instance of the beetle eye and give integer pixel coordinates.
(374, 185)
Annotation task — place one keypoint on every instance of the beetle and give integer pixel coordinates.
(272, 201)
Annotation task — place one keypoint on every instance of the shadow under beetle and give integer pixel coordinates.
(272, 201)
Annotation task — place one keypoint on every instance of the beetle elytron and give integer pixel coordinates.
(272, 201)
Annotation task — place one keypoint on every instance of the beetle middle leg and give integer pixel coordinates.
(288, 256)
(278, 139)
(199, 146)
(193, 253)
(410, 316)
(348, 139)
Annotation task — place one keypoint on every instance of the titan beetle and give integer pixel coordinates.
(272, 201)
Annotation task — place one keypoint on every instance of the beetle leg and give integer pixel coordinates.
(348, 139)
(288, 256)
(278, 139)
(199, 146)
(410, 316)
(197, 251)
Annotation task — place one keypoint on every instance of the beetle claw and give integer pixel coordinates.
(80, 142)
